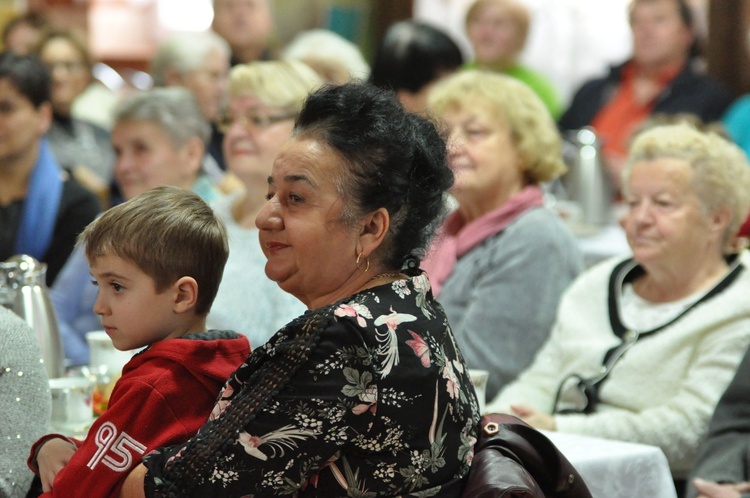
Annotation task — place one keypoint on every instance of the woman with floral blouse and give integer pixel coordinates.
(366, 394)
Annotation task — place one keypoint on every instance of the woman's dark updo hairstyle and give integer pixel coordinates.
(393, 159)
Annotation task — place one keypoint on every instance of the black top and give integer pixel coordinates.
(78, 207)
(369, 394)
(214, 147)
(689, 92)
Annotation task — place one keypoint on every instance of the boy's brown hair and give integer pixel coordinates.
(168, 233)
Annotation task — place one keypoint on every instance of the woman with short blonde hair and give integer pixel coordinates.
(537, 141)
(265, 98)
(501, 245)
(283, 84)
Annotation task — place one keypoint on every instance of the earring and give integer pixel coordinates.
(367, 261)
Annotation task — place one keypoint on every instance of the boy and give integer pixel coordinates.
(157, 260)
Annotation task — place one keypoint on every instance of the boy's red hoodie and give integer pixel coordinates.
(164, 396)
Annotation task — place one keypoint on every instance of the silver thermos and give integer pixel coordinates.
(23, 290)
(587, 182)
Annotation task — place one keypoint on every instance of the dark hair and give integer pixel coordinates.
(393, 159)
(687, 17)
(413, 54)
(28, 75)
(73, 37)
(686, 13)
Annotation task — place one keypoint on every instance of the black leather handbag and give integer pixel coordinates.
(514, 460)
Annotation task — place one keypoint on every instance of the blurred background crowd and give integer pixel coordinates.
(549, 269)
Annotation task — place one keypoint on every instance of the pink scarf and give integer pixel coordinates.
(454, 238)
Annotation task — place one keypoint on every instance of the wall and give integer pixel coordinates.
(727, 48)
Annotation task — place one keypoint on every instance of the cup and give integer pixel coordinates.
(105, 365)
(479, 379)
(103, 353)
(72, 411)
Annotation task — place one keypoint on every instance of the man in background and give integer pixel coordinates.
(660, 78)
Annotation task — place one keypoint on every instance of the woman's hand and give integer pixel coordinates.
(534, 418)
(709, 489)
(51, 458)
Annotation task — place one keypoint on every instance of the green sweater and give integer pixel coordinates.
(537, 82)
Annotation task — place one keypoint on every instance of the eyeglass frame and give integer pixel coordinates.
(259, 121)
(69, 67)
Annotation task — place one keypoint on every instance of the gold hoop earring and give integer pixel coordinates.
(367, 262)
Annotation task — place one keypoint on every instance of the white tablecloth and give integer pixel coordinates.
(616, 469)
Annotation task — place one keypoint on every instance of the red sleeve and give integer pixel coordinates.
(31, 461)
(745, 229)
(140, 417)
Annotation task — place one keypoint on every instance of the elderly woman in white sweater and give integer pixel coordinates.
(642, 348)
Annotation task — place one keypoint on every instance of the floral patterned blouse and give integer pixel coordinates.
(368, 397)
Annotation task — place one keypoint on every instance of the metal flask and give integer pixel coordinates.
(586, 181)
(23, 290)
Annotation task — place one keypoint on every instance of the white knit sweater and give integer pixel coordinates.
(663, 390)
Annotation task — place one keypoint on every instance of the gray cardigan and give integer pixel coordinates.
(725, 454)
(501, 298)
(25, 407)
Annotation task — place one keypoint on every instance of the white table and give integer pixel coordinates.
(616, 469)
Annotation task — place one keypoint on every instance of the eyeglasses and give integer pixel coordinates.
(67, 66)
(256, 121)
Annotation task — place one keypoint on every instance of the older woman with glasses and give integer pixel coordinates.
(264, 100)
(643, 347)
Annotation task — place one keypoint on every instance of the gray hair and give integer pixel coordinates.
(322, 45)
(185, 52)
(174, 110)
